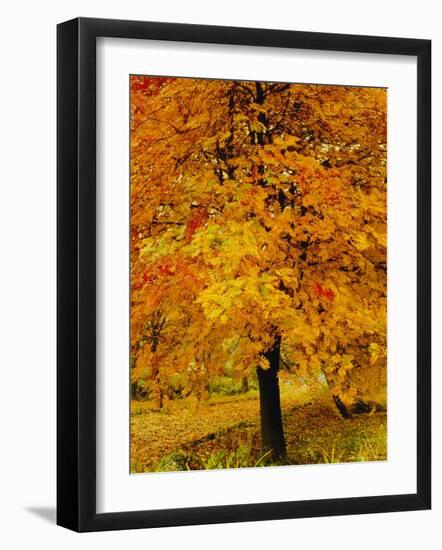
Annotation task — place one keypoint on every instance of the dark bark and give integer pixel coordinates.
(360, 407)
(343, 411)
(160, 396)
(272, 433)
(340, 405)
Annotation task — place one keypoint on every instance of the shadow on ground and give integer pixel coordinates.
(46, 513)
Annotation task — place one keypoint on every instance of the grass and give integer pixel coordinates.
(224, 433)
(363, 446)
(242, 457)
(316, 435)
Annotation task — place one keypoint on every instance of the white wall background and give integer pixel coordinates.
(27, 273)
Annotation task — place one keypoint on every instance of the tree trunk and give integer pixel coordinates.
(160, 397)
(340, 405)
(272, 433)
(343, 411)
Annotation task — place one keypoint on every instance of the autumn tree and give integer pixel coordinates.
(258, 222)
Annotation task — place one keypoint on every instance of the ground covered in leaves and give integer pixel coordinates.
(224, 433)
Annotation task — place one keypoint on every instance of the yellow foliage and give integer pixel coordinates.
(255, 215)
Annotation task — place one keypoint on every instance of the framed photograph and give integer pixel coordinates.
(243, 274)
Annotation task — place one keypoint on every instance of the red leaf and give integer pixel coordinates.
(323, 292)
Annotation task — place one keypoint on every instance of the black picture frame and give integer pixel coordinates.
(77, 286)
